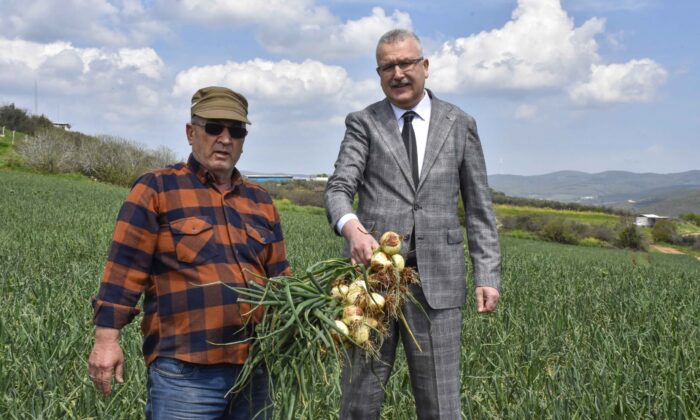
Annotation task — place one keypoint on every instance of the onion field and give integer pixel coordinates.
(580, 332)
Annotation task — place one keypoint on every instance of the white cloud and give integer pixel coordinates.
(333, 39)
(103, 22)
(525, 112)
(242, 12)
(278, 83)
(540, 49)
(297, 27)
(97, 90)
(634, 81)
(65, 58)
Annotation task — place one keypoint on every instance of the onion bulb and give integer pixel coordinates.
(339, 292)
(342, 327)
(390, 242)
(380, 260)
(398, 261)
(352, 314)
(356, 289)
(361, 334)
(371, 322)
(358, 283)
(376, 301)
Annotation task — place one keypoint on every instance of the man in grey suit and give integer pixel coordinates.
(409, 172)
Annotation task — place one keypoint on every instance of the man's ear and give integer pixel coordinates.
(189, 131)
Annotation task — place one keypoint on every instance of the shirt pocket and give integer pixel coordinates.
(194, 240)
(261, 234)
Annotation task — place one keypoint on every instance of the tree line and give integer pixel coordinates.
(104, 158)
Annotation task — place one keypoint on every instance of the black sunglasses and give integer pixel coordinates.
(215, 129)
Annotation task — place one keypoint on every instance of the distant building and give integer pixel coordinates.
(64, 126)
(270, 178)
(648, 220)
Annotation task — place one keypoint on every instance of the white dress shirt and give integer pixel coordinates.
(420, 127)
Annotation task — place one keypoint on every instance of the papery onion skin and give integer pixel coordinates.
(390, 242)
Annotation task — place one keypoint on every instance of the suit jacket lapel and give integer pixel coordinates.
(389, 134)
(441, 119)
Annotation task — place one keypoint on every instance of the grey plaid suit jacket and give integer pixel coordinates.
(373, 162)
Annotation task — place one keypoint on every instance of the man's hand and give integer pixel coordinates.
(361, 242)
(106, 357)
(486, 299)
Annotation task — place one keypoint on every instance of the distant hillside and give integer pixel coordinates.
(668, 194)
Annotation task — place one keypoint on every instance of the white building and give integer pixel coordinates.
(648, 220)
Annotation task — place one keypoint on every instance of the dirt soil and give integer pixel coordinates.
(668, 250)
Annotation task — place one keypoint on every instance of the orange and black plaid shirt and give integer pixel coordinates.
(176, 234)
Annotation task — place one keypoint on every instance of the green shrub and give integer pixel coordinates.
(108, 159)
(631, 237)
(665, 231)
(592, 242)
(691, 217)
(19, 120)
(559, 230)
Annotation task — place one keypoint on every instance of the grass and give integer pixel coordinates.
(589, 217)
(5, 147)
(580, 333)
(686, 228)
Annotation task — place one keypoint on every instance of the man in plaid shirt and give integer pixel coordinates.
(182, 233)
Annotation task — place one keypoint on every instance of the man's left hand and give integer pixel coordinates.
(486, 299)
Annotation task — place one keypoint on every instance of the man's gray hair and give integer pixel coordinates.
(397, 35)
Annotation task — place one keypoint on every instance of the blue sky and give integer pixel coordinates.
(589, 85)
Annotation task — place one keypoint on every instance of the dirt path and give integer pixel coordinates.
(668, 250)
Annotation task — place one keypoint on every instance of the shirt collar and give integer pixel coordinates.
(422, 109)
(206, 177)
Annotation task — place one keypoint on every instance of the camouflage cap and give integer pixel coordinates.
(219, 103)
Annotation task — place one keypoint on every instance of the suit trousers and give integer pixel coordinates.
(434, 371)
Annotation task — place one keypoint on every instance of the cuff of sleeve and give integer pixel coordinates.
(106, 314)
(343, 220)
(488, 281)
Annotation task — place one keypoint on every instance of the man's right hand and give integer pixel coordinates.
(361, 242)
(105, 359)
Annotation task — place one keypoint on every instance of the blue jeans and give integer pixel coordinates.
(182, 390)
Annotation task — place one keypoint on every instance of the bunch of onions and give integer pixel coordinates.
(375, 298)
(308, 321)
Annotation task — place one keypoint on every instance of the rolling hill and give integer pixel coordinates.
(668, 194)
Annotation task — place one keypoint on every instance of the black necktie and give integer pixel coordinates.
(409, 141)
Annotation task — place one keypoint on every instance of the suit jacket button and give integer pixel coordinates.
(416, 206)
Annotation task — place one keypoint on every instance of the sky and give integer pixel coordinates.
(586, 85)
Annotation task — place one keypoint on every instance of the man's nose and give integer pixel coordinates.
(398, 73)
(225, 136)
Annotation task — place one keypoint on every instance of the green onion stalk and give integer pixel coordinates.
(311, 320)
